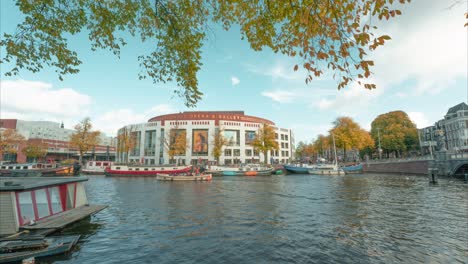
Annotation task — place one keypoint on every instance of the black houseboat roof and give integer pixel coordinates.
(8, 184)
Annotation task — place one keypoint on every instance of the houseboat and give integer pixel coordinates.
(96, 167)
(48, 203)
(246, 170)
(124, 170)
(45, 169)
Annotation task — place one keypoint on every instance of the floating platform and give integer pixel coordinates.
(18, 250)
(63, 219)
(167, 177)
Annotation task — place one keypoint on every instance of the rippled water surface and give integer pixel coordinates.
(277, 219)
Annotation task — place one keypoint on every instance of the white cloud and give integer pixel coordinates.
(280, 96)
(432, 52)
(111, 121)
(281, 70)
(352, 99)
(419, 119)
(41, 100)
(234, 81)
(34, 100)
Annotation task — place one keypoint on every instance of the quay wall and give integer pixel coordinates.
(415, 167)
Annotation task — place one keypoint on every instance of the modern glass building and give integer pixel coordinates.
(199, 129)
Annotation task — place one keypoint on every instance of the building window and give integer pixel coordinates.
(41, 203)
(282, 137)
(256, 153)
(26, 207)
(248, 152)
(55, 202)
(232, 137)
(228, 152)
(286, 137)
(237, 153)
(150, 143)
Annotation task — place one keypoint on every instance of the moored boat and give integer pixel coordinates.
(46, 169)
(96, 167)
(120, 170)
(168, 177)
(353, 169)
(298, 169)
(17, 250)
(326, 169)
(247, 170)
(47, 203)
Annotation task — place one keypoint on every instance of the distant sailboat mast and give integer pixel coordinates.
(334, 148)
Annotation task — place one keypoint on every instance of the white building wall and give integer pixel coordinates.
(53, 131)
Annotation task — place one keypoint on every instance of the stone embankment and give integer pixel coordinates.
(414, 167)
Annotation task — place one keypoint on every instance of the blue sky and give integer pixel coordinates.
(422, 71)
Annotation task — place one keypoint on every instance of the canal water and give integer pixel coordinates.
(278, 219)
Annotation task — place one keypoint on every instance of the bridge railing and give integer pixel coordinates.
(458, 156)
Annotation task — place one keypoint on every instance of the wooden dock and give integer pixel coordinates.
(63, 219)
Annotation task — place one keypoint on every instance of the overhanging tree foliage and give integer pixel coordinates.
(320, 34)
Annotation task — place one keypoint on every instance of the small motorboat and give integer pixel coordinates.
(298, 168)
(353, 169)
(18, 249)
(96, 167)
(168, 177)
(246, 170)
(326, 169)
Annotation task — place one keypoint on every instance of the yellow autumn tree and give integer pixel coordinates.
(349, 135)
(397, 133)
(84, 139)
(322, 144)
(321, 35)
(219, 141)
(175, 143)
(265, 141)
(35, 150)
(9, 141)
(126, 141)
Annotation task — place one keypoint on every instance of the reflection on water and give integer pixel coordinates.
(277, 219)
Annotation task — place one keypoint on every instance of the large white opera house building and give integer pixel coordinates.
(200, 127)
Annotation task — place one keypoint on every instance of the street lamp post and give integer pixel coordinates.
(430, 146)
(380, 148)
